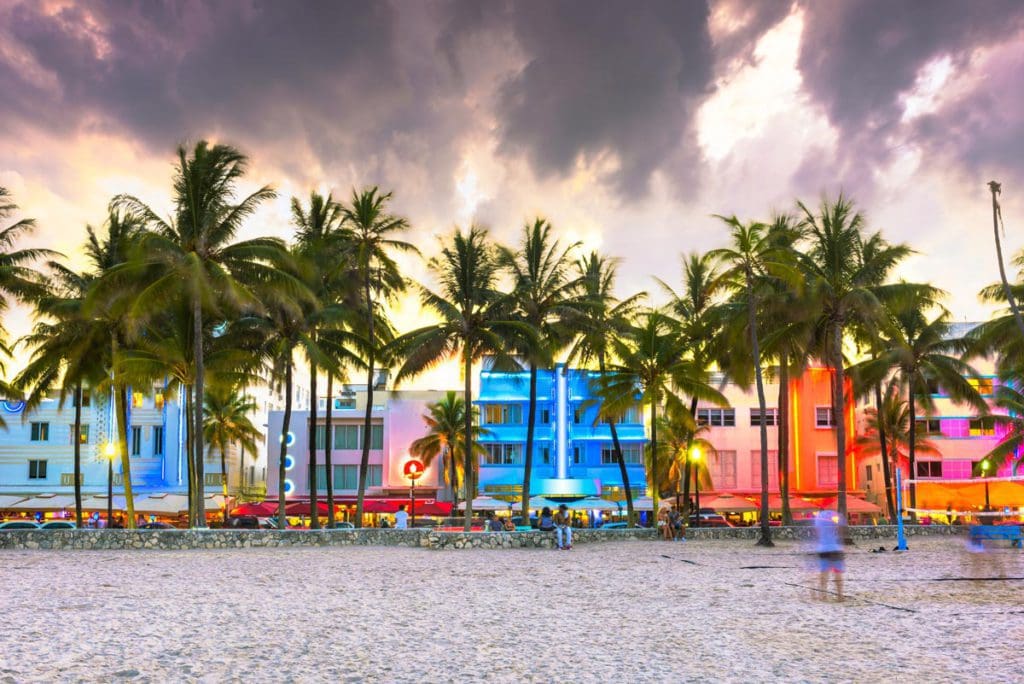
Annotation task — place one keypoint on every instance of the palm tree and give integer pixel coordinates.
(372, 230)
(320, 243)
(844, 273)
(18, 279)
(445, 420)
(600, 316)
(920, 350)
(887, 432)
(750, 261)
(475, 321)
(543, 293)
(696, 312)
(227, 422)
(997, 218)
(1009, 448)
(679, 434)
(196, 256)
(650, 366)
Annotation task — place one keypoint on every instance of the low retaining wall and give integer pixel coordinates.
(228, 539)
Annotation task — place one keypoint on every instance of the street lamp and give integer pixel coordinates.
(109, 452)
(413, 471)
(695, 456)
(986, 465)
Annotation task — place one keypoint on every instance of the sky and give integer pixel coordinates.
(627, 125)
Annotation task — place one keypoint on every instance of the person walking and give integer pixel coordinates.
(563, 528)
(401, 518)
(829, 548)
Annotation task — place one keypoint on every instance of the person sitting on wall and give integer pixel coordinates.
(493, 524)
(509, 526)
(563, 529)
(547, 523)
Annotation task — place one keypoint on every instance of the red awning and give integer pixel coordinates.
(303, 508)
(441, 508)
(264, 509)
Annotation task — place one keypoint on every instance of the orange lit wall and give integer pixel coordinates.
(808, 392)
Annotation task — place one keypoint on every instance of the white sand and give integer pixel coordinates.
(603, 612)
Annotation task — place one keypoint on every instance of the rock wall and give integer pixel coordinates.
(225, 539)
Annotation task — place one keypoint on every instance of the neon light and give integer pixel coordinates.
(289, 462)
(13, 406)
(795, 417)
(290, 439)
(289, 486)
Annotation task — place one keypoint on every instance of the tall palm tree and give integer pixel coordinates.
(679, 434)
(700, 325)
(750, 261)
(922, 351)
(18, 278)
(600, 316)
(651, 367)
(445, 421)
(997, 218)
(844, 272)
(543, 293)
(227, 422)
(475, 321)
(198, 258)
(320, 243)
(373, 239)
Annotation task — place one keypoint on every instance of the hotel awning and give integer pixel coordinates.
(6, 500)
(44, 502)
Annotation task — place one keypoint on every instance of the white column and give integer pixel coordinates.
(561, 423)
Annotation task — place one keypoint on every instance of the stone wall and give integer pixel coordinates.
(225, 539)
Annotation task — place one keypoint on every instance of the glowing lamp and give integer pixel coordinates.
(110, 450)
(413, 469)
(695, 454)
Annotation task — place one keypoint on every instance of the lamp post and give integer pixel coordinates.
(109, 452)
(695, 458)
(413, 471)
(985, 466)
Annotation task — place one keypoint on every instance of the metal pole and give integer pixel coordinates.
(901, 540)
(412, 502)
(696, 489)
(988, 507)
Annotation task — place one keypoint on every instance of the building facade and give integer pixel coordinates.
(572, 452)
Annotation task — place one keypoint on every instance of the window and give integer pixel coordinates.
(755, 469)
(577, 414)
(929, 468)
(723, 469)
(982, 427)
(545, 455)
(68, 479)
(346, 436)
(158, 400)
(631, 454)
(631, 416)
(983, 385)
(828, 470)
(824, 417)
(503, 454)
(347, 476)
(503, 414)
(545, 416)
(771, 417)
(867, 473)
(321, 436)
(138, 398)
(377, 437)
(577, 455)
(929, 426)
(40, 432)
(37, 470)
(342, 403)
(136, 440)
(83, 435)
(158, 440)
(716, 417)
(86, 398)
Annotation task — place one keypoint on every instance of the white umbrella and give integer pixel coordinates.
(643, 503)
(593, 503)
(98, 502)
(44, 502)
(162, 504)
(539, 502)
(487, 503)
(7, 500)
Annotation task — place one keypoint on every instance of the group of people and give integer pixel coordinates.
(673, 527)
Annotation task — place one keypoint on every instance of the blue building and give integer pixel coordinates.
(572, 452)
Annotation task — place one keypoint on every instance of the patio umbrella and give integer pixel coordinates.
(263, 509)
(593, 503)
(379, 506)
(302, 508)
(795, 504)
(487, 503)
(730, 503)
(439, 508)
(98, 502)
(6, 500)
(44, 502)
(162, 504)
(855, 505)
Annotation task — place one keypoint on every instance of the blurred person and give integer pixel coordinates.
(547, 523)
(563, 529)
(401, 518)
(829, 547)
(509, 526)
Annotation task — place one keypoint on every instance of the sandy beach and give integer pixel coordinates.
(625, 611)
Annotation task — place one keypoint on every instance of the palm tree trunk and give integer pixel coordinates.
(121, 399)
(912, 442)
(469, 454)
(783, 427)
(328, 467)
(78, 454)
(838, 411)
(314, 504)
(197, 408)
(996, 188)
(688, 466)
(655, 493)
(285, 424)
(224, 479)
(450, 456)
(884, 451)
(765, 538)
(364, 460)
(531, 413)
(189, 465)
(623, 473)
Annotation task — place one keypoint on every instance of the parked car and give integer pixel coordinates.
(19, 525)
(58, 525)
(157, 526)
(342, 525)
